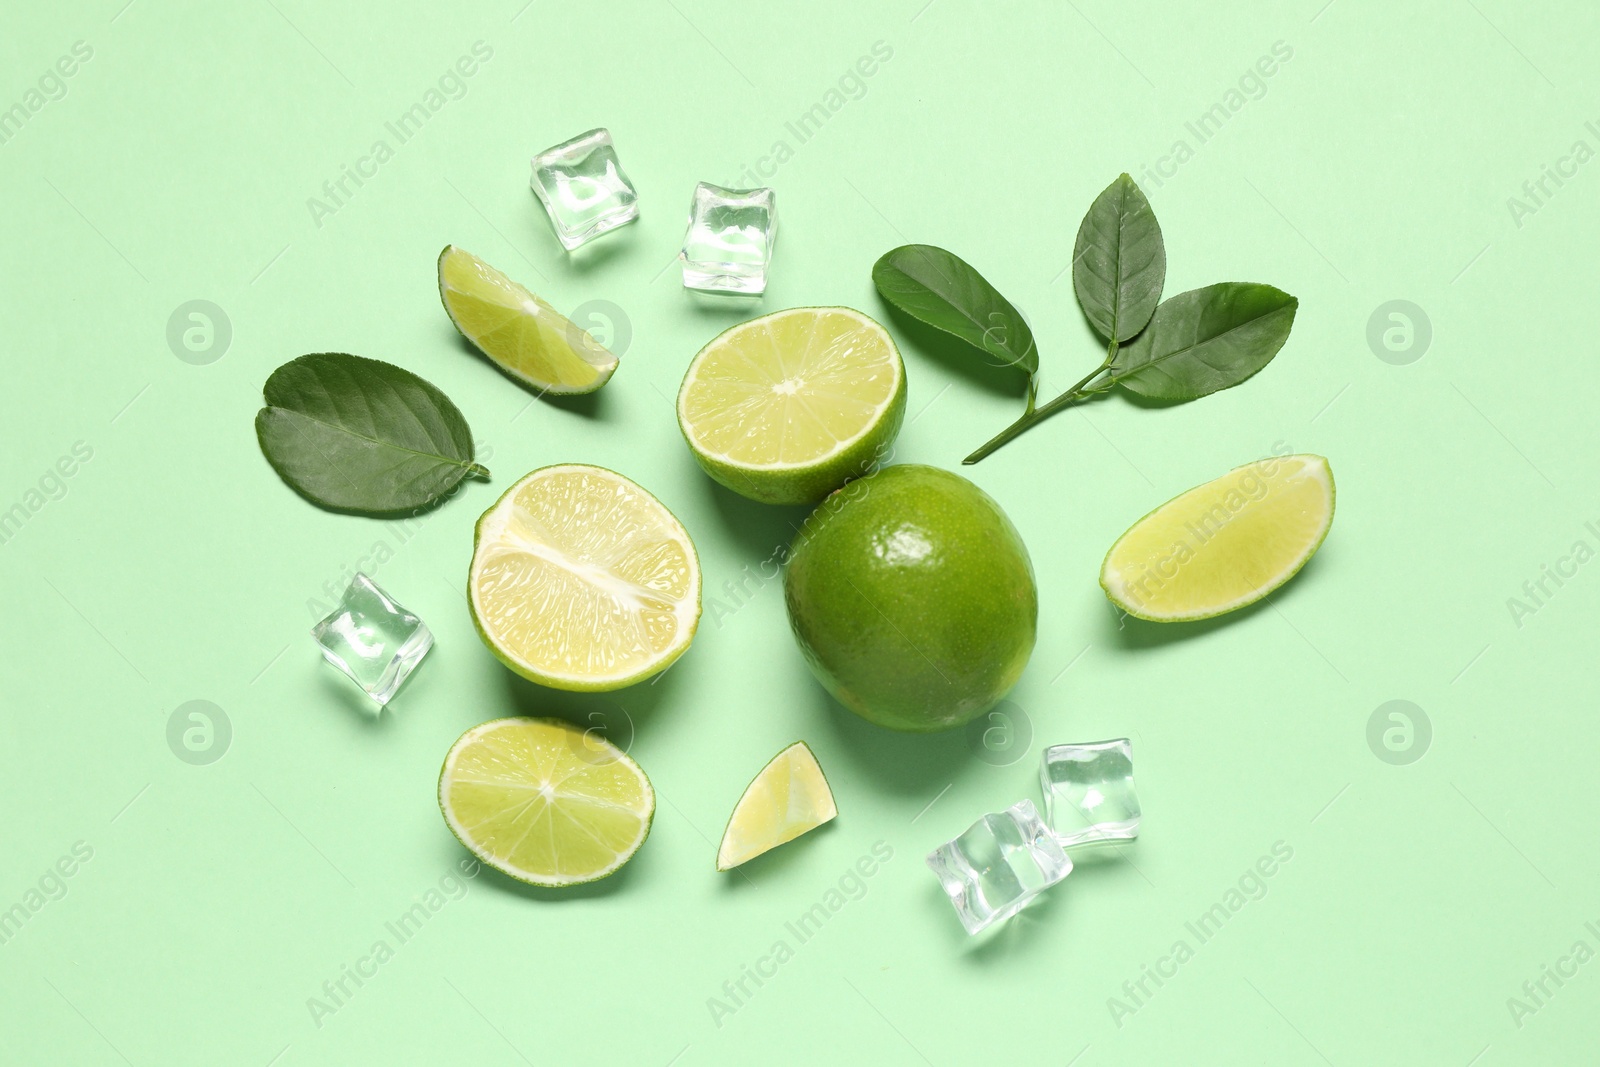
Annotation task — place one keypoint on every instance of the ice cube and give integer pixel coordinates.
(728, 246)
(372, 639)
(582, 186)
(999, 865)
(1088, 792)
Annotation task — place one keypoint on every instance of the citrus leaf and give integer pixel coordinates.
(363, 436)
(942, 290)
(1205, 340)
(1119, 262)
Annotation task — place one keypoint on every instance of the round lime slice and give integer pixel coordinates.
(545, 802)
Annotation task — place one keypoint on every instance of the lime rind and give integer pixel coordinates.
(1117, 587)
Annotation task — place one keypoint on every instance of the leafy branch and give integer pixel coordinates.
(1184, 348)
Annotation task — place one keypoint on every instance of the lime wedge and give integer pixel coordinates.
(788, 797)
(1223, 544)
(526, 337)
(788, 407)
(582, 580)
(544, 801)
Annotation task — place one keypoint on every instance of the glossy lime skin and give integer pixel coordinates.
(912, 598)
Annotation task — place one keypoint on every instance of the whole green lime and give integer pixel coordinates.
(912, 598)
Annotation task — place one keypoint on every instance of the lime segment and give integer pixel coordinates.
(788, 797)
(1224, 544)
(545, 802)
(526, 337)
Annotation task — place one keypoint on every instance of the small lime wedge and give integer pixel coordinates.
(1224, 544)
(788, 797)
(545, 802)
(526, 337)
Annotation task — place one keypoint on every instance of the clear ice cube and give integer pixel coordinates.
(582, 186)
(1088, 792)
(728, 246)
(372, 639)
(999, 865)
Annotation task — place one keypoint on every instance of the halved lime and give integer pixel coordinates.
(582, 580)
(544, 801)
(788, 797)
(526, 337)
(1224, 544)
(787, 407)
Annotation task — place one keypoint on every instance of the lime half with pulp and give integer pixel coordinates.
(787, 407)
(582, 580)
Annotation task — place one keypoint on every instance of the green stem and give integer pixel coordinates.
(1032, 415)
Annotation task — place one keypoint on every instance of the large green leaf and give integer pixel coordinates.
(1119, 263)
(1205, 340)
(942, 290)
(361, 435)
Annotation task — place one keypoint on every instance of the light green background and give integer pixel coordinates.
(1375, 165)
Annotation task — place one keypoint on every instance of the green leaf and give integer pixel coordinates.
(363, 436)
(1205, 340)
(1119, 263)
(939, 288)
